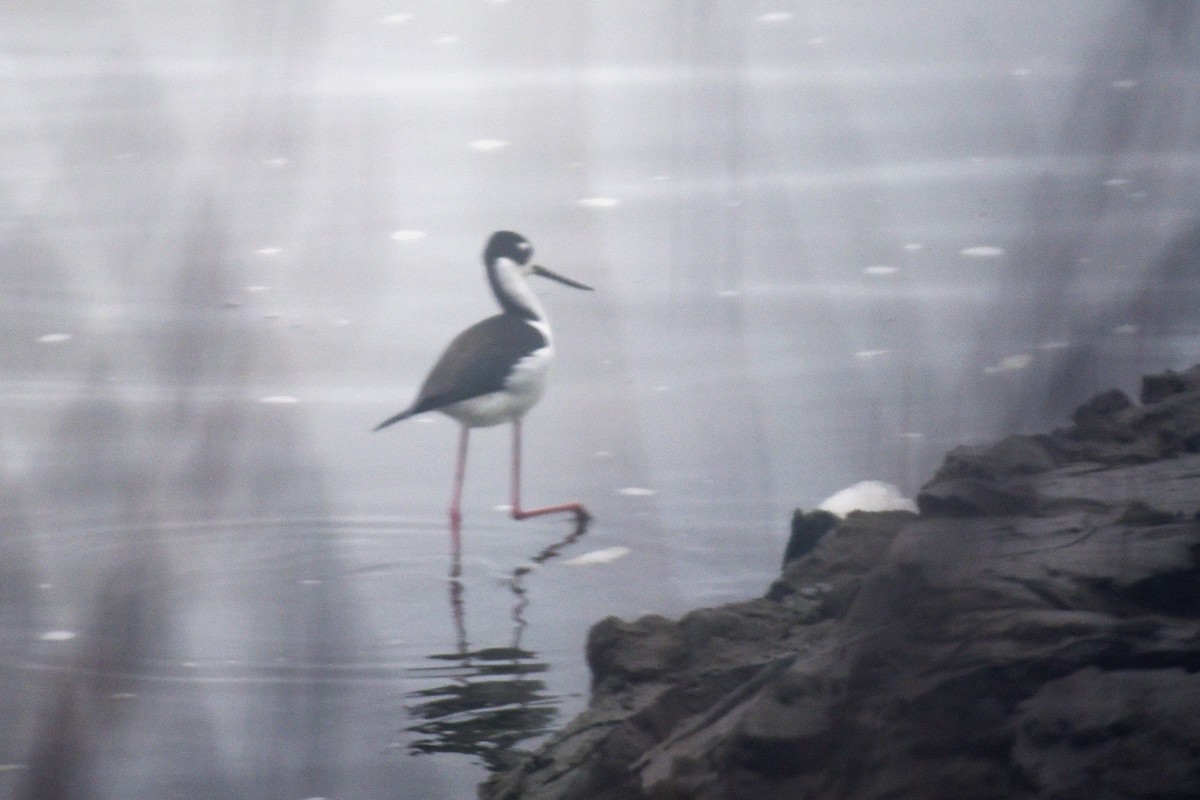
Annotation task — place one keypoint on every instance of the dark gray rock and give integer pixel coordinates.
(619, 651)
(1114, 733)
(971, 497)
(1156, 388)
(1035, 633)
(807, 530)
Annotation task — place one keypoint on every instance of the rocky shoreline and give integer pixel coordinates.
(1034, 632)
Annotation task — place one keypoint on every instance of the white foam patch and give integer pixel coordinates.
(1010, 364)
(869, 354)
(982, 251)
(606, 555)
(53, 338)
(867, 496)
(278, 399)
(881, 270)
(600, 202)
(57, 636)
(268, 251)
(1125, 330)
(487, 145)
(408, 236)
(636, 491)
(776, 16)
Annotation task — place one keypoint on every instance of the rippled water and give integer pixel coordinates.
(827, 246)
(329, 644)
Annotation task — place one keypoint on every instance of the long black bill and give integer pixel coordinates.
(554, 276)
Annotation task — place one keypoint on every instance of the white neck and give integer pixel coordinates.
(512, 283)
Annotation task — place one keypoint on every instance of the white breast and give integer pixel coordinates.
(523, 388)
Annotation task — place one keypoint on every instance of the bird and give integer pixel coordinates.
(496, 370)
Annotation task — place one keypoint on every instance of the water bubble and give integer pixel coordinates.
(487, 145)
(982, 251)
(881, 270)
(606, 555)
(53, 338)
(599, 202)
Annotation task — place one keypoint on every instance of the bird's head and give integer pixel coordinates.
(506, 244)
(515, 248)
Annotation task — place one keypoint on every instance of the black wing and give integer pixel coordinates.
(475, 363)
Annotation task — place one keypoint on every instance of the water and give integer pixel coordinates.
(827, 246)
(272, 607)
(338, 647)
(261, 602)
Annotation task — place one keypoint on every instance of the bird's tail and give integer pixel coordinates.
(405, 414)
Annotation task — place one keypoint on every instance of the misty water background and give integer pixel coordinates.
(829, 241)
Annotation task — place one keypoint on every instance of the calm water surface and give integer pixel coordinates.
(827, 246)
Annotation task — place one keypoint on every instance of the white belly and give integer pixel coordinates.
(523, 389)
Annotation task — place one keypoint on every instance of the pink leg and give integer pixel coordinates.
(460, 472)
(577, 509)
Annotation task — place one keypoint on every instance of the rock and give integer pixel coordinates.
(1023, 455)
(968, 497)
(807, 530)
(1102, 414)
(621, 651)
(1116, 733)
(1034, 633)
(1156, 388)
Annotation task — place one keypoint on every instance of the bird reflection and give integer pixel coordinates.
(485, 701)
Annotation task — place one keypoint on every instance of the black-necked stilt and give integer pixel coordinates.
(495, 370)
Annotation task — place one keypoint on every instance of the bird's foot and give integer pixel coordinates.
(581, 514)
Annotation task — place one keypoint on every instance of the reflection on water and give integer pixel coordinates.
(488, 704)
(486, 701)
(223, 245)
(150, 656)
